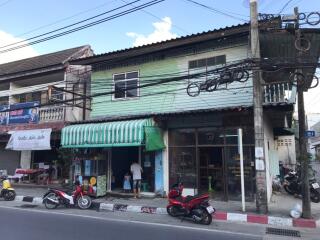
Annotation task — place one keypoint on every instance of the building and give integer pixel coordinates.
(196, 138)
(30, 108)
(315, 141)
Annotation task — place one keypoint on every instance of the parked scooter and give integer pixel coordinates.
(55, 197)
(6, 192)
(293, 185)
(195, 208)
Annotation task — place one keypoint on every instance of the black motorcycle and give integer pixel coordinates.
(293, 185)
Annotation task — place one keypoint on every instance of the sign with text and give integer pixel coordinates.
(310, 133)
(30, 140)
(24, 113)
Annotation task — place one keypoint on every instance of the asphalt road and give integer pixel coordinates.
(27, 224)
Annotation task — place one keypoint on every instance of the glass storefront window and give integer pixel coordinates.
(248, 136)
(183, 166)
(207, 136)
(182, 137)
(231, 136)
(233, 168)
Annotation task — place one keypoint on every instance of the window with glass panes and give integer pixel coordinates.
(204, 65)
(126, 85)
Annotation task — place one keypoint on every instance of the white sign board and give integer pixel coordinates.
(259, 165)
(38, 139)
(259, 152)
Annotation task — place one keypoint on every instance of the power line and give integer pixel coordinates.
(153, 15)
(151, 3)
(160, 81)
(142, 6)
(216, 10)
(70, 25)
(5, 3)
(285, 6)
(64, 19)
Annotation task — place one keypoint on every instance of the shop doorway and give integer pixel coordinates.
(211, 171)
(122, 158)
(148, 175)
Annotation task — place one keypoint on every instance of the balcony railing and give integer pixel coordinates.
(51, 114)
(279, 93)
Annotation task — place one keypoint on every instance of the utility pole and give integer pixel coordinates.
(84, 104)
(261, 183)
(304, 160)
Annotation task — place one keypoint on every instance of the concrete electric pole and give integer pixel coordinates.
(260, 164)
(304, 160)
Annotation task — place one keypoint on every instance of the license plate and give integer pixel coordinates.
(315, 185)
(210, 209)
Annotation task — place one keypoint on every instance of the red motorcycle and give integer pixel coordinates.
(55, 197)
(195, 208)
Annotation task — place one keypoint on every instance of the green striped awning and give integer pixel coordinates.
(108, 134)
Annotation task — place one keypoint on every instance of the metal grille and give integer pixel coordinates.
(283, 232)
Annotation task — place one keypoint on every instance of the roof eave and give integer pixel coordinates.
(37, 71)
(162, 46)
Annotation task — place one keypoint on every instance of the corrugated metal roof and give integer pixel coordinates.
(163, 114)
(39, 62)
(228, 31)
(164, 45)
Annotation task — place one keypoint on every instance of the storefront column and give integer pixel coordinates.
(165, 161)
(140, 162)
(25, 159)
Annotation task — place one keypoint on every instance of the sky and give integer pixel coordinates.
(21, 19)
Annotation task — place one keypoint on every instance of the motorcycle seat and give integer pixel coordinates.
(67, 191)
(189, 198)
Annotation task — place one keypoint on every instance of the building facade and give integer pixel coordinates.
(199, 131)
(31, 108)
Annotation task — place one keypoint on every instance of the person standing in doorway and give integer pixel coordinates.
(136, 171)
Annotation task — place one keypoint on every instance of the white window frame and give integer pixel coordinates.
(125, 80)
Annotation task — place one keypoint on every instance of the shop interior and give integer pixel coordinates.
(211, 170)
(121, 160)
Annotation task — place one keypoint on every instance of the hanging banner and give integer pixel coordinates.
(30, 140)
(24, 113)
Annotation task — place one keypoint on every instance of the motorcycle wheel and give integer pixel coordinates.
(206, 218)
(315, 196)
(288, 190)
(9, 195)
(84, 202)
(173, 211)
(50, 205)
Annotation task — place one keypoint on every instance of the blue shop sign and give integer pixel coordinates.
(310, 133)
(24, 113)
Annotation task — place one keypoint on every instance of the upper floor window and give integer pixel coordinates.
(126, 85)
(29, 97)
(207, 62)
(205, 65)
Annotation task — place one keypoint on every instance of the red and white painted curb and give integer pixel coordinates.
(265, 219)
(224, 216)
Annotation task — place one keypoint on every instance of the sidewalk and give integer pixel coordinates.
(279, 208)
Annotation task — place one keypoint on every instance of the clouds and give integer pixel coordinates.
(162, 32)
(26, 52)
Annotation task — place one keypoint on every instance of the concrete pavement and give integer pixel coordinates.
(39, 225)
(279, 208)
(36, 222)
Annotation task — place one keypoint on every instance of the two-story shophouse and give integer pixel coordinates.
(142, 109)
(31, 113)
